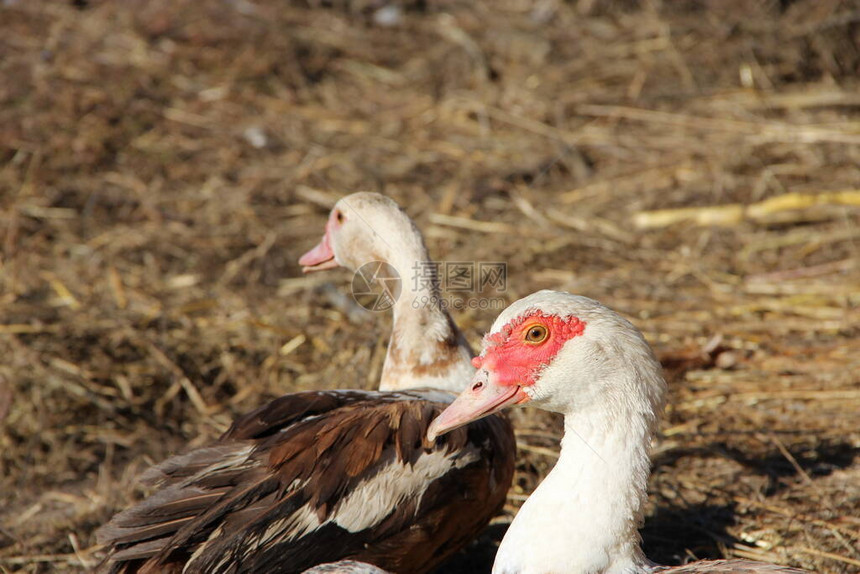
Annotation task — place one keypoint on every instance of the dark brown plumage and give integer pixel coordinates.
(317, 477)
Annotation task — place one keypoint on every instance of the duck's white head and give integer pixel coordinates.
(563, 353)
(426, 347)
(569, 354)
(365, 227)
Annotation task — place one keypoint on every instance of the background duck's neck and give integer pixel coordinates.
(584, 517)
(426, 348)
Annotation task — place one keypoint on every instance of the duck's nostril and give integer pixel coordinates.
(477, 386)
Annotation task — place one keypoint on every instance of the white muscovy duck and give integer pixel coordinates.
(426, 349)
(317, 477)
(571, 355)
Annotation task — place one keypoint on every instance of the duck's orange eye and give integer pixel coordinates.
(339, 216)
(536, 334)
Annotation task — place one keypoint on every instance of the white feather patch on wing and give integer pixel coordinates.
(377, 496)
(294, 526)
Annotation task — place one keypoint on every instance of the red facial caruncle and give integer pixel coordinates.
(516, 354)
(511, 362)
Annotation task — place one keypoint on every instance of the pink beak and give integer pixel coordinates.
(483, 397)
(319, 258)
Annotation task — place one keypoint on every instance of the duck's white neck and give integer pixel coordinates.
(426, 348)
(584, 517)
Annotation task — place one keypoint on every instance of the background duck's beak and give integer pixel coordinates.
(319, 258)
(483, 397)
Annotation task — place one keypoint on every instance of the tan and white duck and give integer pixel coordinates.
(317, 477)
(571, 355)
(426, 349)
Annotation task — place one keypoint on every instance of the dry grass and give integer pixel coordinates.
(165, 163)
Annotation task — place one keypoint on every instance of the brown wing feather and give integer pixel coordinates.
(269, 493)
